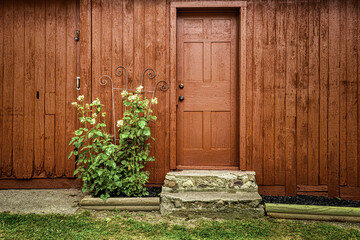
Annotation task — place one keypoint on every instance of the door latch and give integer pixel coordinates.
(78, 83)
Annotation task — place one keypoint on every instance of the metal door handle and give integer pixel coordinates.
(181, 98)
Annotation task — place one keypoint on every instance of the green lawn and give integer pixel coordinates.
(116, 225)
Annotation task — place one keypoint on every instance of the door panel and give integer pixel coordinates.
(206, 65)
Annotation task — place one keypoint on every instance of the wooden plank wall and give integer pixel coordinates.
(38, 66)
(302, 73)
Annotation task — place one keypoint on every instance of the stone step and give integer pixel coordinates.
(212, 204)
(210, 181)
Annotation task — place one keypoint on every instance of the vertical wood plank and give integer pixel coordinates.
(302, 93)
(324, 94)
(358, 92)
(280, 100)
(19, 74)
(70, 91)
(258, 85)
(159, 110)
(117, 54)
(8, 89)
(291, 83)
(334, 76)
(269, 110)
(249, 83)
(352, 90)
(87, 40)
(2, 109)
(167, 103)
(313, 118)
(343, 92)
(128, 37)
(50, 76)
(29, 85)
(106, 57)
(149, 56)
(60, 96)
(242, 90)
(39, 127)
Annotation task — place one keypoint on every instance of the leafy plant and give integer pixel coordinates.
(110, 169)
(134, 134)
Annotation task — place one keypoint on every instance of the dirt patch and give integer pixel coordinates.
(40, 201)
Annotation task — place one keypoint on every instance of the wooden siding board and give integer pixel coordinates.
(128, 43)
(302, 109)
(39, 127)
(70, 84)
(60, 95)
(313, 91)
(291, 83)
(8, 89)
(29, 88)
(334, 76)
(249, 83)
(358, 92)
(324, 91)
(352, 94)
(258, 85)
(149, 56)
(2, 110)
(159, 109)
(19, 78)
(269, 96)
(342, 92)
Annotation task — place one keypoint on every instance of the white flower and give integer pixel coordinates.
(87, 106)
(103, 114)
(74, 103)
(133, 97)
(154, 101)
(120, 123)
(82, 119)
(93, 121)
(80, 98)
(124, 93)
(94, 115)
(146, 102)
(96, 102)
(139, 88)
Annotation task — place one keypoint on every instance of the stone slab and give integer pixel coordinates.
(210, 181)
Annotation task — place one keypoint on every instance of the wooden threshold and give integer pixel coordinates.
(181, 167)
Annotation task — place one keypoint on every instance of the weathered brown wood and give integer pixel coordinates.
(2, 13)
(302, 109)
(324, 83)
(334, 76)
(314, 217)
(312, 188)
(352, 161)
(60, 95)
(49, 161)
(258, 94)
(50, 103)
(291, 79)
(70, 90)
(313, 91)
(39, 128)
(19, 90)
(272, 190)
(249, 83)
(280, 92)
(350, 193)
(40, 183)
(269, 46)
(8, 89)
(342, 93)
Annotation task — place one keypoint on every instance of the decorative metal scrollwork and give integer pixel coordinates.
(149, 72)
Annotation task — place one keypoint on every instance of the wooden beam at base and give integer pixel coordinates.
(40, 183)
(314, 217)
(272, 190)
(350, 193)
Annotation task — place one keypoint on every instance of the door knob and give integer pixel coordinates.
(181, 98)
(181, 86)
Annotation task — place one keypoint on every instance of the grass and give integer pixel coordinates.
(124, 226)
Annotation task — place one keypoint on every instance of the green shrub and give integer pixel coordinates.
(107, 168)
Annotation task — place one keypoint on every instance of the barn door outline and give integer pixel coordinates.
(239, 6)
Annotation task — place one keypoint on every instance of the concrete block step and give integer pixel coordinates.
(212, 204)
(210, 181)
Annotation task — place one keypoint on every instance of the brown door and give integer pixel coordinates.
(207, 129)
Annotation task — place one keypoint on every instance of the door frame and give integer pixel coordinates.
(241, 7)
